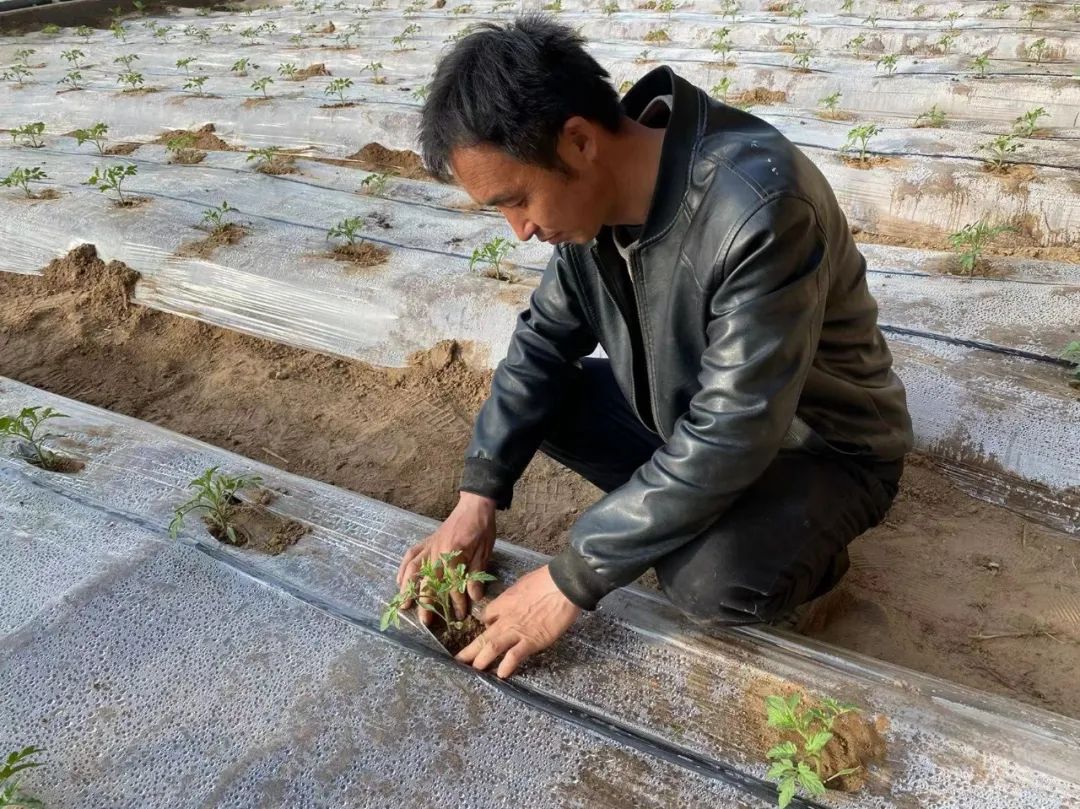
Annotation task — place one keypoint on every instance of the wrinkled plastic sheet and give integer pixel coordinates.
(193, 673)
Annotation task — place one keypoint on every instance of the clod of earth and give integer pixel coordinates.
(361, 254)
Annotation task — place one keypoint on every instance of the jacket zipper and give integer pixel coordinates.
(616, 287)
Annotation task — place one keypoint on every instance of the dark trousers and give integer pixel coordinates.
(781, 543)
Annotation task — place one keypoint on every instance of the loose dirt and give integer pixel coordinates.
(205, 247)
(402, 162)
(317, 69)
(257, 528)
(203, 139)
(758, 95)
(122, 148)
(946, 584)
(362, 255)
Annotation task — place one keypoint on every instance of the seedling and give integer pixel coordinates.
(642, 57)
(951, 19)
(195, 83)
(126, 60)
(860, 135)
(52, 29)
(719, 90)
(933, 117)
(261, 84)
(16, 762)
(666, 6)
(86, 32)
(30, 134)
(201, 35)
(185, 63)
(181, 144)
(17, 72)
(999, 148)
(72, 77)
(555, 6)
(831, 101)
(420, 93)
(721, 43)
(610, 7)
(347, 229)
(847, 5)
(980, 63)
(802, 60)
(118, 31)
(970, 241)
(287, 70)
(888, 61)
(872, 20)
(95, 134)
(297, 39)
(1027, 123)
(464, 8)
(855, 45)
(1072, 354)
(730, 8)
(997, 11)
(73, 56)
(657, 35)
(1033, 13)
(919, 10)
(794, 39)
(344, 38)
(374, 67)
(132, 79)
(26, 428)
(401, 39)
(267, 156)
(796, 12)
(112, 178)
(22, 177)
(414, 8)
(375, 184)
(338, 87)
(214, 218)
(801, 769)
(215, 494)
(240, 66)
(945, 43)
(437, 581)
(251, 35)
(492, 254)
(1037, 50)
(161, 32)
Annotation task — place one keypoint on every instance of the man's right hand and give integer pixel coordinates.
(469, 530)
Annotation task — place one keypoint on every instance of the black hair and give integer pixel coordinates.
(514, 87)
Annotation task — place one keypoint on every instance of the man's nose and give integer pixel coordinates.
(523, 228)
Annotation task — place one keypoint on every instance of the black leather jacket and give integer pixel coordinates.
(748, 317)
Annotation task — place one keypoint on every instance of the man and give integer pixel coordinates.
(747, 426)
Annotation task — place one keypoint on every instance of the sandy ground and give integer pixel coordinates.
(947, 584)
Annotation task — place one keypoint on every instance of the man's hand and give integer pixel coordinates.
(469, 530)
(525, 619)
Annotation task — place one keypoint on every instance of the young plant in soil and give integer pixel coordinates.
(871, 20)
(30, 134)
(261, 84)
(798, 766)
(657, 35)
(215, 494)
(181, 149)
(21, 177)
(72, 57)
(951, 19)
(831, 101)
(847, 6)
(347, 229)
(112, 178)
(195, 83)
(420, 93)
(492, 254)
(1033, 13)
(241, 66)
(1037, 50)
(721, 44)
(95, 134)
(970, 241)
(73, 78)
(980, 63)
(401, 40)
(609, 8)
(269, 160)
(15, 763)
(999, 148)
(214, 218)
(26, 428)
(793, 40)
(997, 11)
(127, 60)
(338, 87)
(52, 29)
(437, 581)
(1027, 123)
(860, 135)
(132, 79)
(888, 61)
(1072, 354)
(855, 45)
(375, 184)
(374, 67)
(719, 90)
(86, 32)
(464, 8)
(185, 63)
(730, 8)
(18, 73)
(801, 61)
(555, 7)
(287, 71)
(118, 31)
(932, 117)
(945, 43)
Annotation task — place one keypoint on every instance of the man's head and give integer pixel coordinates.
(520, 115)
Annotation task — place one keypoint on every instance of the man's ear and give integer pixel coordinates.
(579, 138)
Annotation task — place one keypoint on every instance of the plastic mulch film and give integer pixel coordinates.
(161, 673)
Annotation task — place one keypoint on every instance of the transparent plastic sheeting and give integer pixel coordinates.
(161, 673)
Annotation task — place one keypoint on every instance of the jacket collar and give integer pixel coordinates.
(680, 141)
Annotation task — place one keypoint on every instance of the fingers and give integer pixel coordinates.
(512, 659)
(460, 603)
(483, 651)
(407, 561)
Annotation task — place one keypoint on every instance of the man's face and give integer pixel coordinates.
(554, 206)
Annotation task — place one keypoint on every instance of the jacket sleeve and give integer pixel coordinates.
(550, 337)
(764, 323)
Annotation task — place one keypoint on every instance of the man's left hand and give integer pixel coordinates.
(525, 619)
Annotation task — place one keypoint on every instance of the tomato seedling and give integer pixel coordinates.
(970, 241)
(492, 254)
(15, 763)
(112, 178)
(215, 494)
(26, 427)
(21, 177)
(438, 579)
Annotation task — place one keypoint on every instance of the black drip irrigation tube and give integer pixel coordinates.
(991, 347)
(621, 732)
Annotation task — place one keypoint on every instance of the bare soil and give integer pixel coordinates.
(1022, 243)
(204, 139)
(122, 148)
(317, 69)
(402, 162)
(230, 233)
(758, 95)
(947, 584)
(257, 528)
(362, 255)
(187, 157)
(281, 164)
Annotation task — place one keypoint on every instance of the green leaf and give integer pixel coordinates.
(818, 741)
(785, 750)
(787, 792)
(809, 779)
(841, 773)
(779, 714)
(780, 769)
